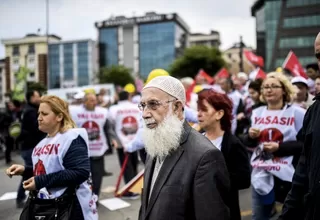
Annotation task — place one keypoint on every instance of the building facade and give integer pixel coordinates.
(142, 43)
(72, 63)
(284, 25)
(2, 83)
(29, 51)
(210, 40)
(232, 57)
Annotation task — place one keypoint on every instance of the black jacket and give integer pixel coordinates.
(303, 200)
(237, 162)
(30, 133)
(193, 183)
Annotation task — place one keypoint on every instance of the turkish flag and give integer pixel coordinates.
(253, 58)
(293, 65)
(223, 73)
(257, 74)
(261, 74)
(205, 75)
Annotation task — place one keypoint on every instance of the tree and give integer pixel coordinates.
(196, 58)
(37, 86)
(18, 92)
(118, 75)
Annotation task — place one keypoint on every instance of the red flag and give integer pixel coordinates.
(257, 74)
(293, 65)
(223, 73)
(189, 91)
(253, 58)
(261, 74)
(205, 75)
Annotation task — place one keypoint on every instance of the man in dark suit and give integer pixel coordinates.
(185, 175)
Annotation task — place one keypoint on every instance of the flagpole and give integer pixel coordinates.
(47, 33)
(287, 58)
(241, 55)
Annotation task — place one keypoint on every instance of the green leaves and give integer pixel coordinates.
(119, 75)
(196, 58)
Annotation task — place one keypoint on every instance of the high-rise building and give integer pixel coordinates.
(284, 25)
(72, 63)
(29, 51)
(2, 84)
(210, 40)
(142, 43)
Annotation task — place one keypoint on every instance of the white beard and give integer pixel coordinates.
(163, 139)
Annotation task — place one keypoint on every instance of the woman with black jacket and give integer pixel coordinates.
(215, 115)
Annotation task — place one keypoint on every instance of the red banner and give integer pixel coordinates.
(205, 75)
(223, 73)
(293, 65)
(253, 58)
(257, 74)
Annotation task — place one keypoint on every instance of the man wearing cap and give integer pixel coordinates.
(303, 201)
(303, 97)
(185, 175)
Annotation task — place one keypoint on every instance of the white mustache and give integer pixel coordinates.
(149, 121)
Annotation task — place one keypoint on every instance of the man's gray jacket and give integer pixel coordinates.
(193, 183)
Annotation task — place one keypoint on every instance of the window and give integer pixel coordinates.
(31, 74)
(68, 61)
(31, 49)
(31, 60)
(16, 61)
(271, 15)
(302, 21)
(297, 42)
(83, 63)
(156, 46)
(108, 46)
(54, 66)
(15, 51)
(296, 3)
(260, 20)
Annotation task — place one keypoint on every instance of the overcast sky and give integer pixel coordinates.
(74, 19)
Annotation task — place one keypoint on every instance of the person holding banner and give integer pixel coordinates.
(273, 132)
(60, 170)
(95, 120)
(125, 116)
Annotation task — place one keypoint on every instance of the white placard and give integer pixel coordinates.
(114, 204)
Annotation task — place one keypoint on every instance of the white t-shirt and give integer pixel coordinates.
(93, 122)
(126, 117)
(275, 126)
(217, 142)
(236, 98)
(47, 157)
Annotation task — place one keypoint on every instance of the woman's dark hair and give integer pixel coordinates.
(256, 85)
(218, 101)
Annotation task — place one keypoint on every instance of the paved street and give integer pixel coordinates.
(8, 210)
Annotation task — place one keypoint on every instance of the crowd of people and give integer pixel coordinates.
(199, 149)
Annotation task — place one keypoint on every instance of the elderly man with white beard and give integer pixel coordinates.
(185, 176)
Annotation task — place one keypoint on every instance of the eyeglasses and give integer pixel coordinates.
(317, 55)
(272, 87)
(153, 104)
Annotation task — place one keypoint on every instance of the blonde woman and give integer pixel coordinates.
(59, 188)
(273, 132)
